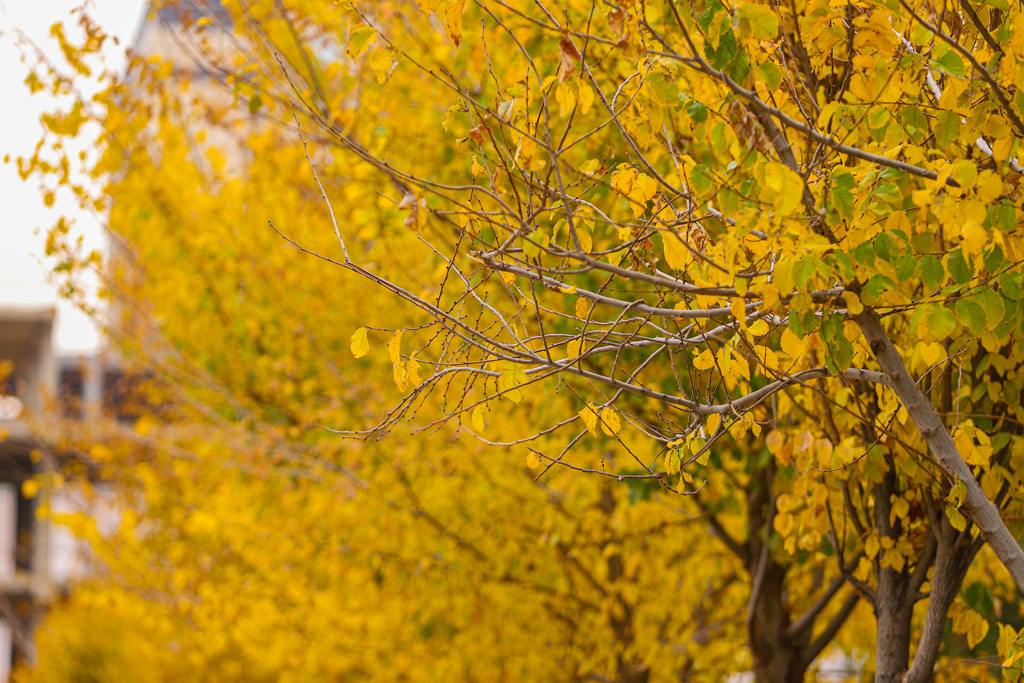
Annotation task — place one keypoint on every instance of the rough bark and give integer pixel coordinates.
(894, 597)
(953, 558)
(776, 660)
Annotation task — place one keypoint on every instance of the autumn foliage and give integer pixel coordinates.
(583, 341)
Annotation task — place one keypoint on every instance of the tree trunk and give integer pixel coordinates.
(955, 553)
(894, 601)
(776, 660)
(892, 649)
(979, 508)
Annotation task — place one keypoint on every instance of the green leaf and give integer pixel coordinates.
(932, 272)
(883, 247)
(842, 200)
(912, 117)
(951, 63)
(873, 288)
(838, 351)
(994, 306)
(700, 179)
(947, 128)
(971, 315)
(889, 192)
(757, 22)
(958, 268)
(878, 117)
(770, 73)
(697, 112)
(994, 259)
(1002, 215)
(663, 91)
(803, 270)
(906, 266)
(724, 53)
(940, 320)
(843, 264)
(718, 139)
(865, 254)
(705, 18)
(1009, 284)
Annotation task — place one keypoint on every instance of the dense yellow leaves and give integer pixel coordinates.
(782, 188)
(486, 164)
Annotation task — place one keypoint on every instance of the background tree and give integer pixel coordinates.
(769, 251)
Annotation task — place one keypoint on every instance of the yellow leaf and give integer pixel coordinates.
(395, 348)
(412, 369)
(676, 254)
(533, 461)
(644, 188)
(1007, 634)
(1012, 659)
(704, 360)
(589, 417)
(586, 98)
(359, 344)
(792, 345)
(622, 179)
(453, 19)
(783, 523)
(977, 633)
(400, 376)
(585, 238)
(359, 41)
(958, 521)
(783, 188)
(974, 238)
(380, 62)
(823, 449)
(932, 353)
(590, 167)
(894, 558)
(476, 169)
(853, 303)
(478, 418)
(610, 422)
(712, 423)
(511, 377)
(582, 308)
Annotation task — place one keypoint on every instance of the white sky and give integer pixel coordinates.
(24, 218)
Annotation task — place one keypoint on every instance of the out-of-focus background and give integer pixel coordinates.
(57, 348)
(23, 271)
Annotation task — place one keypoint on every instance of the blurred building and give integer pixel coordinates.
(40, 394)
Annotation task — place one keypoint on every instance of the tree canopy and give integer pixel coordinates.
(617, 341)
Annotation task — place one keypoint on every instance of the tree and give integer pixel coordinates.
(767, 251)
